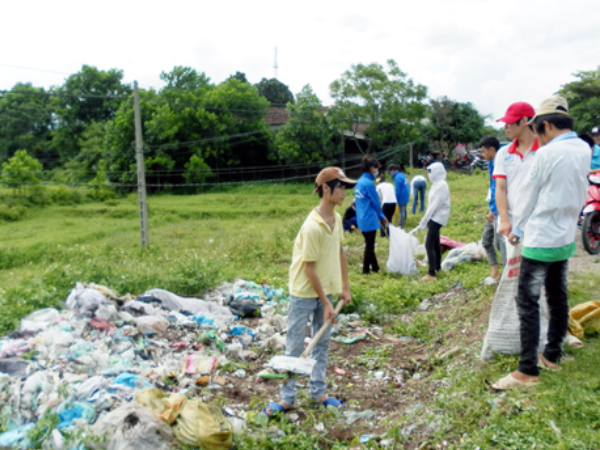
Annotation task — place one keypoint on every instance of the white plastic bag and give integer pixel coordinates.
(39, 320)
(85, 301)
(401, 258)
(133, 427)
(504, 334)
(152, 325)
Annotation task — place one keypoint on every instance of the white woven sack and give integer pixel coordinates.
(503, 334)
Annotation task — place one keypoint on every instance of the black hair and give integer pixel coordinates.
(527, 119)
(489, 141)
(392, 167)
(332, 185)
(588, 139)
(560, 122)
(368, 162)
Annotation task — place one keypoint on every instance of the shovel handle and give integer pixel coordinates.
(322, 331)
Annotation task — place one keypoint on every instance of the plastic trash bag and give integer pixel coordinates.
(470, 252)
(276, 342)
(133, 427)
(16, 347)
(39, 320)
(199, 364)
(152, 325)
(503, 334)
(86, 389)
(401, 259)
(194, 306)
(205, 426)
(15, 367)
(17, 437)
(77, 410)
(244, 307)
(85, 301)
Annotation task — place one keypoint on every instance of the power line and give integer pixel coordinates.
(36, 70)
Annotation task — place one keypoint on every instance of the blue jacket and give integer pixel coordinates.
(492, 189)
(402, 188)
(368, 206)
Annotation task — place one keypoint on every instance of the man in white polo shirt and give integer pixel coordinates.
(513, 162)
(552, 194)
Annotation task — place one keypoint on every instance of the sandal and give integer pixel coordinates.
(574, 341)
(509, 382)
(546, 365)
(276, 408)
(338, 404)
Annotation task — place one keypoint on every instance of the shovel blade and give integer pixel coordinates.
(298, 366)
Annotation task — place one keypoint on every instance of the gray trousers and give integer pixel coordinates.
(492, 241)
(301, 311)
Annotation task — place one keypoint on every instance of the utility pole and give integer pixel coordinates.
(141, 174)
(275, 67)
(411, 155)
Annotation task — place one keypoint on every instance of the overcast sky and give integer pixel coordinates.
(490, 53)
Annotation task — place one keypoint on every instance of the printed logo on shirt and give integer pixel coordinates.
(357, 194)
(509, 160)
(534, 172)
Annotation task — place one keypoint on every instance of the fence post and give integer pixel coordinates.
(141, 174)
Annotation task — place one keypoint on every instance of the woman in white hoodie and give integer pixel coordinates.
(436, 216)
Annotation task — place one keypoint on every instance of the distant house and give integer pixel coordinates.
(276, 117)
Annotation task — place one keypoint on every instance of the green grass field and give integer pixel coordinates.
(247, 232)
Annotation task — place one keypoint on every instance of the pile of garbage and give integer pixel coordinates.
(137, 371)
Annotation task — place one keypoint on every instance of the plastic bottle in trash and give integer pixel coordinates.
(267, 291)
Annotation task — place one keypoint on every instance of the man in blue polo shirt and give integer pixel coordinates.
(402, 190)
(491, 239)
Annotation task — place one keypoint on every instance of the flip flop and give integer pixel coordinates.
(332, 402)
(276, 408)
(574, 341)
(509, 382)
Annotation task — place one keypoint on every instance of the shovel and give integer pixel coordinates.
(302, 365)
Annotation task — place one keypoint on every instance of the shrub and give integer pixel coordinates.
(12, 213)
(65, 195)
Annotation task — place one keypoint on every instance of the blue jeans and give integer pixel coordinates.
(420, 190)
(301, 311)
(402, 209)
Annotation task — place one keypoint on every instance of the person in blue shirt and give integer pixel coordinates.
(368, 211)
(491, 239)
(398, 173)
(596, 153)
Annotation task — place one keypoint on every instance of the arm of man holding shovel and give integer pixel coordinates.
(313, 278)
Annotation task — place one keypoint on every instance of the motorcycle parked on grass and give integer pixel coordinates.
(590, 227)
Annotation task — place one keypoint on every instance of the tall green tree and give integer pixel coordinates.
(275, 91)
(87, 97)
(386, 99)
(25, 123)
(307, 137)
(583, 96)
(191, 127)
(455, 123)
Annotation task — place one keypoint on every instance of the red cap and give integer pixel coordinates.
(516, 112)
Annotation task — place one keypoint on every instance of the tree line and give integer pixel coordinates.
(198, 131)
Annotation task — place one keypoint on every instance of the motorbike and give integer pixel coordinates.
(590, 227)
(478, 161)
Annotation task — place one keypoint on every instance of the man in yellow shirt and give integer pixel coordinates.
(318, 271)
